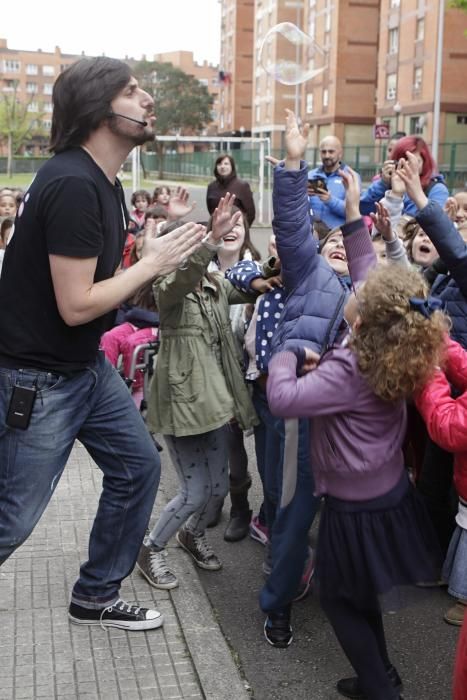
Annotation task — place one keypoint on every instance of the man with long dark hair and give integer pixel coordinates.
(59, 291)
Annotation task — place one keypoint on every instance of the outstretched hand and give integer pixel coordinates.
(178, 204)
(296, 139)
(223, 221)
(170, 251)
(407, 170)
(382, 222)
(262, 285)
(351, 183)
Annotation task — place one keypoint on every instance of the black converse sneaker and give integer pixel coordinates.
(121, 614)
(199, 548)
(153, 566)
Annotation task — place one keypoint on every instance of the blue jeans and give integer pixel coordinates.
(268, 454)
(95, 407)
(289, 479)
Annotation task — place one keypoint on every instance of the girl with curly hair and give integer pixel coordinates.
(375, 535)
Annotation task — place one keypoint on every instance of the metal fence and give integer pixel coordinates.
(365, 159)
(199, 165)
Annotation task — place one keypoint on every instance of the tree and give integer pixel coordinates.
(16, 123)
(461, 4)
(183, 104)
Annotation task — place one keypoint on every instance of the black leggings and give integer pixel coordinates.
(361, 636)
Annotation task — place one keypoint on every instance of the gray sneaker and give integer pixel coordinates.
(199, 548)
(153, 566)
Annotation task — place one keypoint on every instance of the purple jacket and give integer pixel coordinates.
(356, 437)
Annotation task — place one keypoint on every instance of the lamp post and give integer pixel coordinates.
(438, 76)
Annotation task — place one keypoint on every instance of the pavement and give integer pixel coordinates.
(43, 655)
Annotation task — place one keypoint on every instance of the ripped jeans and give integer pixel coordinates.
(95, 407)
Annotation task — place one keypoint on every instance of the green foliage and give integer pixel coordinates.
(460, 4)
(15, 121)
(182, 103)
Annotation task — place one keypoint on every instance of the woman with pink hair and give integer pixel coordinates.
(432, 182)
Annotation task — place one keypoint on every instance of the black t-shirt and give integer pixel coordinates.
(71, 209)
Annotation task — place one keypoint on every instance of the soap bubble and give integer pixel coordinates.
(290, 56)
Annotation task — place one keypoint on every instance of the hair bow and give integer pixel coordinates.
(425, 306)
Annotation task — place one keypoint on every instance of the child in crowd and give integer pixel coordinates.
(236, 246)
(7, 204)
(446, 420)
(161, 195)
(6, 228)
(374, 532)
(307, 309)
(198, 389)
(140, 201)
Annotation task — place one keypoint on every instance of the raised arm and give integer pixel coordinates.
(436, 224)
(292, 222)
(361, 256)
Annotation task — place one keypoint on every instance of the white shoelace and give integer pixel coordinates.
(158, 564)
(120, 605)
(203, 546)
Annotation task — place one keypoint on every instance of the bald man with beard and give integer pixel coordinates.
(325, 187)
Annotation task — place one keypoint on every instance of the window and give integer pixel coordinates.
(46, 123)
(33, 107)
(417, 79)
(32, 69)
(31, 88)
(395, 3)
(11, 66)
(461, 119)
(48, 70)
(325, 97)
(11, 85)
(258, 114)
(391, 86)
(393, 41)
(48, 88)
(420, 30)
(417, 124)
(202, 81)
(48, 107)
(309, 103)
(327, 21)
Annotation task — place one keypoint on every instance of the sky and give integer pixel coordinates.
(100, 26)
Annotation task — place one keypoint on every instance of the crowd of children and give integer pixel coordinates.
(347, 358)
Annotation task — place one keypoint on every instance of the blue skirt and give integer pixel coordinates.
(369, 550)
(455, 565)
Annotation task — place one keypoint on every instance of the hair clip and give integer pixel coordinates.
(425, 307)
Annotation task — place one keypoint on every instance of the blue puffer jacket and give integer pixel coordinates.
(436, 191)
(316, 297)
(451, 288)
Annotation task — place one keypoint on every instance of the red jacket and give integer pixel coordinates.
(446, 417)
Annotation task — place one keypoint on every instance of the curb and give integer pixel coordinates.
(218, 674)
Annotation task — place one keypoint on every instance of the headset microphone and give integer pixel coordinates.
(130, 119)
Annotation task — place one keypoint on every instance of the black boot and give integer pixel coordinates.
(215, 519)
(350, 687)
(240, 513)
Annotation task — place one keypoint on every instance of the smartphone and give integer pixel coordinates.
(20, 408)
(317, 183)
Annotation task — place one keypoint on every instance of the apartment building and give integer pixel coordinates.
(206, 73)
(409, 44)
(29, 77)
(381, 67)
(236, 66)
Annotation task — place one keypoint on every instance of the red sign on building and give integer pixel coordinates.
(381, 131)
